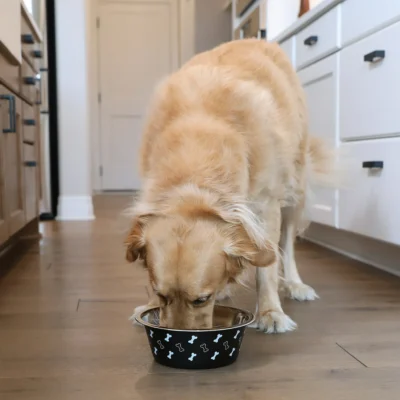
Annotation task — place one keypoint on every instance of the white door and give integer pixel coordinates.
(138, 46)
(320, 82)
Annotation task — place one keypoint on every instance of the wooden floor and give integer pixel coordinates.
(64, 330)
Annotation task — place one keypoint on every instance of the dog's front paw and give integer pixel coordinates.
(136, 312)
(300, 291)
(275, 322)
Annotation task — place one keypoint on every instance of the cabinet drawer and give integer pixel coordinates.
(360, 17)
(242, 6)
(371, 206)
(9, 74)
(370, 91)
(30, 153)
(29, 123)
(319, 39)
(31, 47)
(288, 46)
(251, 27)
(29, 83)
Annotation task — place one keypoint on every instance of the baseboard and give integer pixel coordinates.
(75, 208)
(372, 252)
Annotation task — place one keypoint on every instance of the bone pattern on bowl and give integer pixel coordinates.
(198, 349)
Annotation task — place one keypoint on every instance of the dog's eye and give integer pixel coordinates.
(201, 300)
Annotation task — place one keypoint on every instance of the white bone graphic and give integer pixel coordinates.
(226, 345)
(214, 356)
(237, 334)
(191, 341)
(160, 344)
(216, 340)
(192, 357)
(233, 350)
(169, 337)
(155, 350)
(170, 354)
(204, 347)
(180, 348)
(151, 334)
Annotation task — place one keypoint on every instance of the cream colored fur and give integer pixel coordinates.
(226, 161)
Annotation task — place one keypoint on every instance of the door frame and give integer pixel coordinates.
(182, 52)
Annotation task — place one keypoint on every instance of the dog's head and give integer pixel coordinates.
(192, 252)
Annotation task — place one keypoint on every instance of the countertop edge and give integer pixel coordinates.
(31, 22)
(307, 19)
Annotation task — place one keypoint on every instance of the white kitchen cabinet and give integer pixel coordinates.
(370, 206)
(320, 83)
(370, 82)
(289, 47)
(319, 39)
(363, 17)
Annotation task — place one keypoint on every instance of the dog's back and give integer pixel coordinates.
(239, 108)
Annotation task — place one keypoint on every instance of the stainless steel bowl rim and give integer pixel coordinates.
(140, 321)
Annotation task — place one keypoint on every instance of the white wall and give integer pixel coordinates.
(10, 27)
(187, 9)
(75, 201)
(280, 15)
(213, 24)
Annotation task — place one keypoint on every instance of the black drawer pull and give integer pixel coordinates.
(30, 80)
(373, 164)
(29, 122)
(11, 113)
(37, 54)
(30, 142)
(27, 39)
(30, 163)
(310, 41)
(374, 56)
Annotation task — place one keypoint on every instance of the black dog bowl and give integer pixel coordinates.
(197, 349)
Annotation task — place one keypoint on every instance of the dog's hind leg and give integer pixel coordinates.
(293, 285)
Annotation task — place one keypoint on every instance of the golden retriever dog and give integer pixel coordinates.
(226, 162)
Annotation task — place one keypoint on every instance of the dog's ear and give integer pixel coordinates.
(135, 242)
(241, 250)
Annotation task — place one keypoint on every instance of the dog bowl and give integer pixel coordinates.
(197, 349)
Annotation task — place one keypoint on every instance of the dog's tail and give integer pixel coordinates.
(326, 165)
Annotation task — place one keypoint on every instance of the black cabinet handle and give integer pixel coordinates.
(11, 113)
(310, 41)
(37, 54)
(373, 164)
(30, 142)
(30, 80)
(27, 39)
(30, 163)
(29, 122)
(374, 56)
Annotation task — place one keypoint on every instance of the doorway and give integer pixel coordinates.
(137, 47)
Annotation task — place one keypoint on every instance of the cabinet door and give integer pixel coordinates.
(13, 162)
(320, 82)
